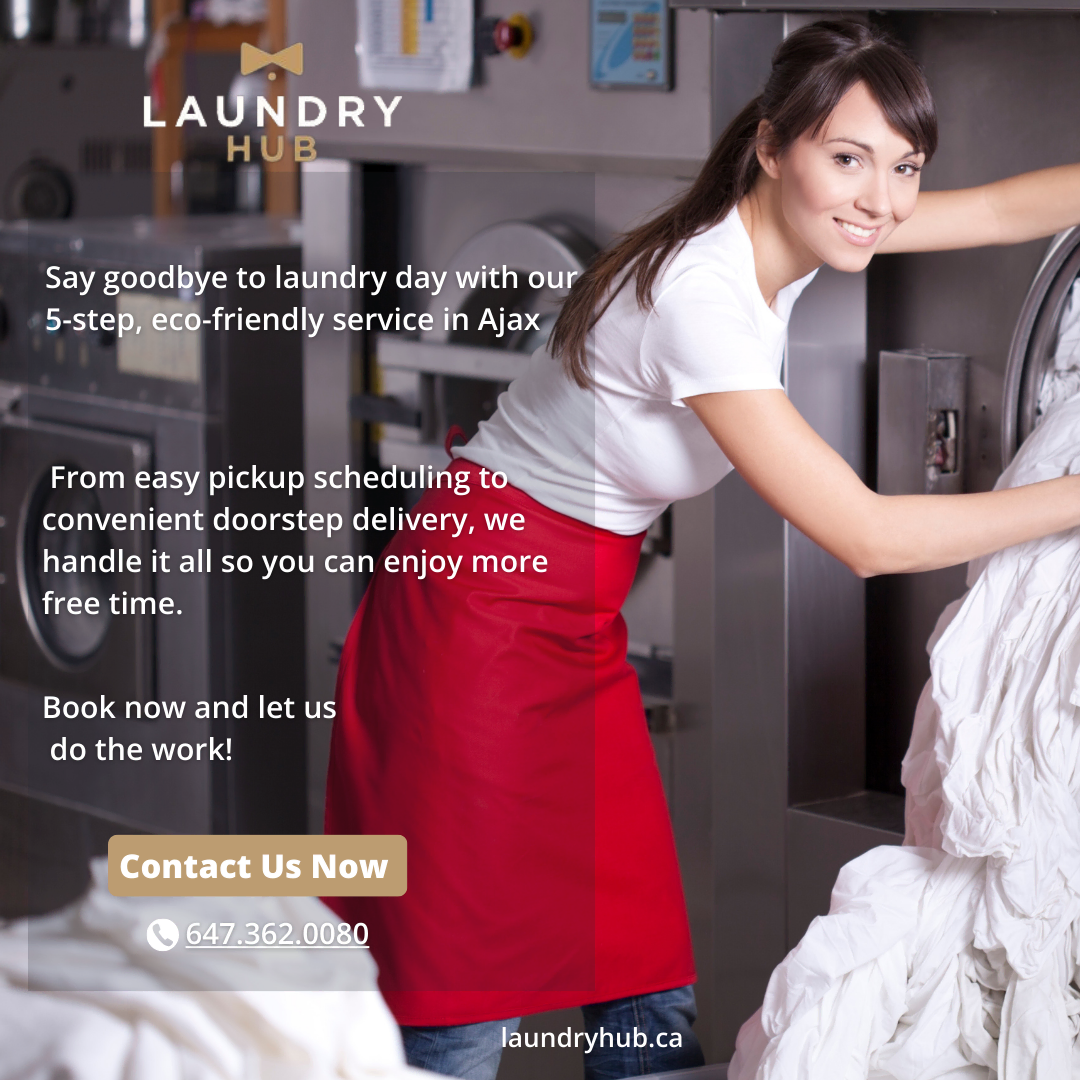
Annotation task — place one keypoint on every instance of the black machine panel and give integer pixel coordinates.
(79, 396)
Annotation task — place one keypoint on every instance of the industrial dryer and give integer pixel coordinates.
(92, 404)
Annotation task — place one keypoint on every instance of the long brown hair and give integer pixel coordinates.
(811, 71)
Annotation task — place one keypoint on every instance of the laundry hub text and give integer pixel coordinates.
(311, 112)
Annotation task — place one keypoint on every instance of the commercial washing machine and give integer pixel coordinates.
(97, 409)
(1044, 358)
(923, 422)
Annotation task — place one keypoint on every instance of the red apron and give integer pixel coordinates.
(494, 721)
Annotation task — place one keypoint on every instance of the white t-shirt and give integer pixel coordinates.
(617, 454)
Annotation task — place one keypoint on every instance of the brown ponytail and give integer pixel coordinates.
(811, 72)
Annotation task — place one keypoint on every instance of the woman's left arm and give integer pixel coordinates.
(1010, 211)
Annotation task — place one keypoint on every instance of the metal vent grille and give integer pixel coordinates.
(115, 156)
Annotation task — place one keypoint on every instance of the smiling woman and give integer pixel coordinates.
(851, 80)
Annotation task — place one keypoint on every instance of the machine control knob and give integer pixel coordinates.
(40, 189)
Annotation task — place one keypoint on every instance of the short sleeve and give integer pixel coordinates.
(700, 338)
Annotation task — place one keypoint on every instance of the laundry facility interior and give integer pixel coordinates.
(779, 688)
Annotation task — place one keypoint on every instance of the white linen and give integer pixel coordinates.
(616, 455)
(1062, 380)
(186, 1014)
(957, 956)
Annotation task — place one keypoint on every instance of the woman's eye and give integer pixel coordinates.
(846, 160)
(907, 168)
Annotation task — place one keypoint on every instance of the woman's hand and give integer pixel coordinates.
(801, 477)
(1011, 211)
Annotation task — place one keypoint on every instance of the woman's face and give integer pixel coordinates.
(845, 189)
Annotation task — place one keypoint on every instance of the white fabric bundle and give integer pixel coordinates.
(1062, 380)
(172, 1015)
(957, 956)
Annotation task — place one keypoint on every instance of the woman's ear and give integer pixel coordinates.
(767, 154)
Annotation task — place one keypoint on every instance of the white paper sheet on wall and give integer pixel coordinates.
(416, 44)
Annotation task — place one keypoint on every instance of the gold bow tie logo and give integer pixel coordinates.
(252, 59)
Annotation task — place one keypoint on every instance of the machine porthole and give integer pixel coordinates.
(69, 640)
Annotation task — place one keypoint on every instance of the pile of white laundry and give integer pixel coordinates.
(957, 956)
(84, 997)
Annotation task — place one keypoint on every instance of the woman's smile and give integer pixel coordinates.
(860, 235)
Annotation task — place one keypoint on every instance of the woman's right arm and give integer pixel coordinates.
(797, 473)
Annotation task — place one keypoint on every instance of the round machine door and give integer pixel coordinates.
(544, 257)
(502, 294)
(1044, 359)
(73, 536)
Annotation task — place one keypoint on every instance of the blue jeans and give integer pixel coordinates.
(645, 1026)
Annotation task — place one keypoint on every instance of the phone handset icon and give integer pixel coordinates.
(162, 935)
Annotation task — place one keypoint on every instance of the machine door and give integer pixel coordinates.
(84, 523)
(1044, 360)
(480, 341)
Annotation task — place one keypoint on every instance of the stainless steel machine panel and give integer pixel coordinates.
(922, 420)
(769, 690)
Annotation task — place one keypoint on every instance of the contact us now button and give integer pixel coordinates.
(221, 865)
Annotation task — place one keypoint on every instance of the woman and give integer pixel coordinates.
(492, 719)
